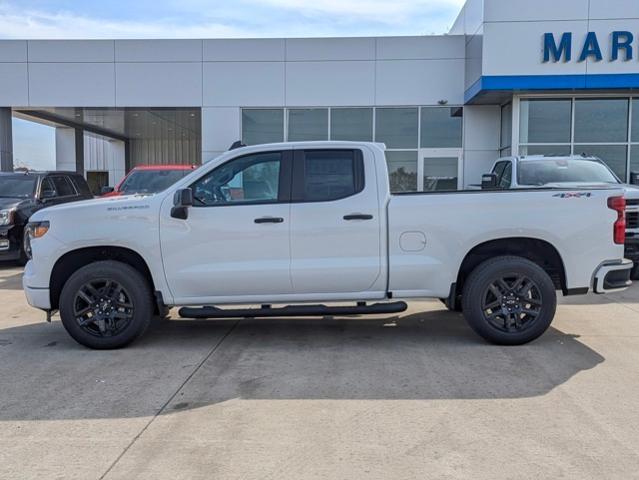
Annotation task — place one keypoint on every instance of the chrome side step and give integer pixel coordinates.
(293, 311)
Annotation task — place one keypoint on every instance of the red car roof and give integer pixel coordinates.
(165, 167)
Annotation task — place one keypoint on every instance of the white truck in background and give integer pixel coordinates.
(313, 226)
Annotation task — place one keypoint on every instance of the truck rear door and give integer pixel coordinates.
(336, 222)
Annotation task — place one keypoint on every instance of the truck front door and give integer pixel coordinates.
(235, 241)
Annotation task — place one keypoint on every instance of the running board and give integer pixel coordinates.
(293, 311)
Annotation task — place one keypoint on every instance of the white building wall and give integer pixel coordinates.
(481, 140)
(102, 154)
(65, 149)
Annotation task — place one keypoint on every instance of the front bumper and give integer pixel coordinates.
(38, 297)
(613, 277)
(10, 244)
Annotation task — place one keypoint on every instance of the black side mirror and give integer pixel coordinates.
(489, 181)
(634, 178)
(105, 190)
(182, 200)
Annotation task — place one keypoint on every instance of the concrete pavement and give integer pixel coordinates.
(409, 397)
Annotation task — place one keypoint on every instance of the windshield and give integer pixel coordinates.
(542, 172)
(151, 181)
(21, 186)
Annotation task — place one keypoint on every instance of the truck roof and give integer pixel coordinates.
(533, 158)
(165, 167)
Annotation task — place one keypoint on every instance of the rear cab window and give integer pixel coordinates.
(327, 175)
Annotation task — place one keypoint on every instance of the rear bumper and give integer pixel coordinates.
(613, 276)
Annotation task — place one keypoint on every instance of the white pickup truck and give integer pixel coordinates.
(313, 227)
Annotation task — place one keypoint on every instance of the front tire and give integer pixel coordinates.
(634, 273)
(509, 300)
(106, 305)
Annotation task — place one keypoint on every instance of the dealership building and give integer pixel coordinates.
(511, 76)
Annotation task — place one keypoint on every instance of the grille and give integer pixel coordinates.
(632, 219)
(634, 201)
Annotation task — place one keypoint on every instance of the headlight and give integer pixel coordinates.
(31, 231)
(6, 216)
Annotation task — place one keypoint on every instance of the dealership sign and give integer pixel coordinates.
(562, 47)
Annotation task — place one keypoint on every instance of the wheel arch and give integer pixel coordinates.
(71, 261)
(536, 250)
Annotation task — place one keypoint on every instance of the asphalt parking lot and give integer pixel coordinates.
(409, 397)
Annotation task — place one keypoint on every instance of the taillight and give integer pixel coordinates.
(618, 204)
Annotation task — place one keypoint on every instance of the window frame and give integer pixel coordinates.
(284, 182)
(299, 169)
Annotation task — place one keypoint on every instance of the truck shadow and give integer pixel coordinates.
(425, 356)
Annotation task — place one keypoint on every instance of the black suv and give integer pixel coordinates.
(22, 193)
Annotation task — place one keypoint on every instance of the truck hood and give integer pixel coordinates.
(99, 207)
(6, 203)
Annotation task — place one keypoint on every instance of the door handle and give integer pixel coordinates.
(358, 216)
(269, 220)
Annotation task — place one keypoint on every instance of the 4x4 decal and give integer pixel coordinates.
(573, 195)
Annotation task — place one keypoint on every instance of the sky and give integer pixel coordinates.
(53, 19)
(223, 18)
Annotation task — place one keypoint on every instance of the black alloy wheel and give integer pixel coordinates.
(106, 304)
(103, 308)
(509, 300)
(512, 303)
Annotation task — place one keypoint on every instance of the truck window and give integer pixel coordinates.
(252, 179)
(506, 176)
(499, 169)
(47, 190)
(325, 175)
(63, 186)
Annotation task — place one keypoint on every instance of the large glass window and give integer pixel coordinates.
(545, 121)
(307, 124)
(397, 127)
(506, 130)
(601, 120)
(249, 179)
(615, 156)
(547, 150)
(441, 127)
(402, 171)
(590, 126)
(262, 126)
(634, 159)
(440, 174)
(352, 124)
(635, 121)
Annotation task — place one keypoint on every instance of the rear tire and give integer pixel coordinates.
(106, 305)
(634, 273)
(509, 300)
